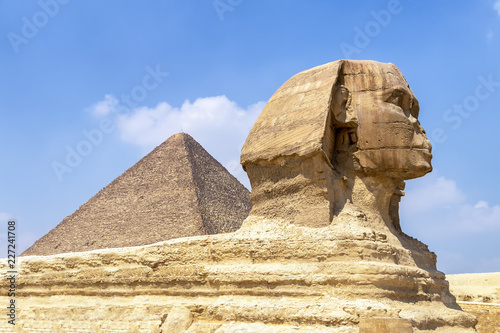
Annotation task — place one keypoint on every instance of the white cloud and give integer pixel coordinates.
(434, 192)
(445, 203)
(481, 204)
(204, 117)
(217, 123)
(436, 211)
(479, 218)
(104, 107)
(496, 6)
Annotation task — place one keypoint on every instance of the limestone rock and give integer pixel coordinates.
(177, 190)
(178, 320)
(384, 325)
(273, 277)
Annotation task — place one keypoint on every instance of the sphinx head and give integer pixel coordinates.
(343, 120)
(379, 113)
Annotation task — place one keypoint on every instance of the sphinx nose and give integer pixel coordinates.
(419, 138)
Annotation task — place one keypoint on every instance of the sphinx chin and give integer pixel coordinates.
(419, 163)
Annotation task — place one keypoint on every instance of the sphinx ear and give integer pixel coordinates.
(340, 104)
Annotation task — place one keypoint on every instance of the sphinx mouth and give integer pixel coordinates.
(426, 152)
(422, 149)
(425, 146)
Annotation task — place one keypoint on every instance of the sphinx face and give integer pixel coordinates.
(390, 141)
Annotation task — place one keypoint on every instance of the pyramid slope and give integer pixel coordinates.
(177, 190)
(221, 196)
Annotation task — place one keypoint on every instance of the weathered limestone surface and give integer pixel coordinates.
(274, 275)
(322, 249)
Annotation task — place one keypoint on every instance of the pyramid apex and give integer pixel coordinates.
(179, 138)
(180, 135)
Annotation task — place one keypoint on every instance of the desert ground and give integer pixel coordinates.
(479, 294)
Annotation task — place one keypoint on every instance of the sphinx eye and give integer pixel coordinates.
(396, 98)
(415, 108)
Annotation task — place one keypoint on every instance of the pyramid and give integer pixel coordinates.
(177, 190)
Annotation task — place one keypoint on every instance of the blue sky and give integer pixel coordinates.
(110, 80)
